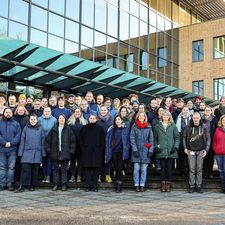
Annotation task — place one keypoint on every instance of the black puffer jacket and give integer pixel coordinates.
(68, 144)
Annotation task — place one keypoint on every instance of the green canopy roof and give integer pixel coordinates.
(42, 67)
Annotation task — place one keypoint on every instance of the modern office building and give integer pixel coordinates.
(136, 36)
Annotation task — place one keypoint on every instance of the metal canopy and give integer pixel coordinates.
(52, 70)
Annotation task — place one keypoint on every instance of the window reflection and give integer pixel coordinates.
(38, 37)
(3, 27)
(129, 65)
(4, 8)
(88, 12)
(143, 13)
(72, 30)
(100, 15)
(87, 36)
(18, 31)
(162, 55)
(124, 25)
(134, 8)
(72, 9)
(100, 41)
(56, 24)
(36, 14)
(134, 27)
(43, 3)
(124, 5)
(219, 47)
(144, 60)
(112, 20)
(71, 47)
(55, 43)
(19, 11)
(57, 6)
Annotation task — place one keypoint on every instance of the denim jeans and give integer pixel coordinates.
(137, 179)
(47, 167)
(220, 160)
(7, 168)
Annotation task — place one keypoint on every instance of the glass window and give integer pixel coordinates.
(19, 11)
(87, 36)
(219, 47)
(134, 8)
(219, 88)
(88, 12)
(152, 18)
(4, 8)
(18, 31)
(197, 51)
(43, 3)
(112, 20)
(143, 28)
(124, 25)
(56, 24)
(162, 56)
(100, 15)
(100, 41)
(57, 6)
(175, 12)
(71, 47)
(36, 14)
(73, 9)
(198, 87)
(72, 30)
(134, 27)
(144, 60)
(38, 37)
(129, 65)
(112, 46)
(124, 5)
(144, 13)
(161, 6)
(55, 43)
(3, 27)
(160, 22)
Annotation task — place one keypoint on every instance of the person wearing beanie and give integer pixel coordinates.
(142, 144)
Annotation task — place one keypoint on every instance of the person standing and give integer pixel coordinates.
(219, 149)
(221, 110)
(21, 116)
(10, 132)
(92, 143)
(117, 148)
(31, 151)
(196, 141)
(141, 140)
(61, 143)
(47, 122)
(61, 109)
(167, 139)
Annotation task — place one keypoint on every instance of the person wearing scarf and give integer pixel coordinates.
(221, 110)
(183, 120)
(105, 121)
(219, 149)
(210, 121)
(141, 140)
(31, 151)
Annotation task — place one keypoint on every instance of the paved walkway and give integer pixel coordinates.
(106, 207)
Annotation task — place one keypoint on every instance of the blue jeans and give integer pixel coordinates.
(137, 179)
(7, 168)
(220, 159)
(47, 167)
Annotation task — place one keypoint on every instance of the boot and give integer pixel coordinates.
(79, 179)
(72, 179)
(168, 186)
(119, 188)
(20, 189)
(163, 186)
(55, 187)
(108, 179)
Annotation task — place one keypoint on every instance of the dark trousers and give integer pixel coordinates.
(91, 176)
(182, 162)
(76, 166)
(47, 167)
(56, 168)
(29, 174)
(118, 165)
(166, 169)
(208, 162)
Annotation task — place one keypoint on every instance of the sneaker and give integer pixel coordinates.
(108, 179)
(95, 189)
(142, 189)
(44, 180)
(72, 179)
(137, 189)
(47, 180)
(191, 190)
(11, 188)
(199, 190)
(55, 187)
(87, 189)
(99, 179)
(123, 172)
(79, 179)
(20, 189)
(64, 187)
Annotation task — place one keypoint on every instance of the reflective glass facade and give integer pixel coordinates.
(139, 36)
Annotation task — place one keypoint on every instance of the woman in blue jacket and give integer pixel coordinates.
(31, 151)
(141, 140)
(117, 148)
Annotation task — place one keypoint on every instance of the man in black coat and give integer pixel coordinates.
(92, 142)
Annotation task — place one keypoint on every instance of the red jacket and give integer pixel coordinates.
(219, 141)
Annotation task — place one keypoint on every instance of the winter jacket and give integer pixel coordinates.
(138, 138)
(93, 108)
(10, 131)
(22, 120)
(219, 112)
(166, 140)
(125, 142)
(175, 114)
(211, 125)
(68, 144)
(31, 147)
(47, 123)
(37, 112)
(105, 124)
(92, 143)
(219, 141)
(112, 112)
(58, 111)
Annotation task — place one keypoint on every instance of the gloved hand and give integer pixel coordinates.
(157, 150)
(136, 154)
(173, 150)
(149, 154)
(148, 145)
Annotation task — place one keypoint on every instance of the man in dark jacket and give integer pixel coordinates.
(10, 132)
(177, 110)
(196, 141)
(92, 142)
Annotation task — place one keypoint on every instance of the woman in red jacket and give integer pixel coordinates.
(219, 149)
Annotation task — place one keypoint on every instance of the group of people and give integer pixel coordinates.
(94, 137)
